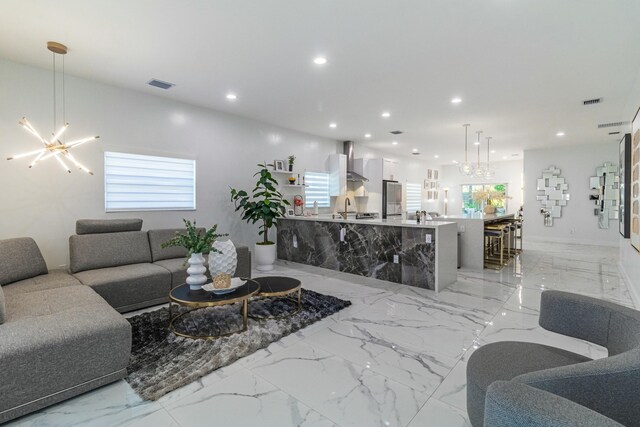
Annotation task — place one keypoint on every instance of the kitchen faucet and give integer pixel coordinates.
(346, 202)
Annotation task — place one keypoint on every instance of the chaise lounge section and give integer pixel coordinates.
(59, 338)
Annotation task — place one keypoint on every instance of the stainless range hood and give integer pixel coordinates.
(352, 176)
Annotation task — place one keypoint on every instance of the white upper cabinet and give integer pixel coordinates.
(390, 169)
(337, 167)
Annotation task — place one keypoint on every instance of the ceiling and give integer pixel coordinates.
(521, 67)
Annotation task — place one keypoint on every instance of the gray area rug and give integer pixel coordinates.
(162, 362)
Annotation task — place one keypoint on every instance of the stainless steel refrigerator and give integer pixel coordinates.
(391, 199)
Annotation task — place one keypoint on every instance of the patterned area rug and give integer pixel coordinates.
(162, 362)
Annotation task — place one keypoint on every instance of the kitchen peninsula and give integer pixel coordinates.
(471, 228)
(401, 251)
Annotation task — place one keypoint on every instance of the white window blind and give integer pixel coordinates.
(317, 189)
(134, 182)
(414, 197)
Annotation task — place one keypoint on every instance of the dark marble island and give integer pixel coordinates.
(422, 255)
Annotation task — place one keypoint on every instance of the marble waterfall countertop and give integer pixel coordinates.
(386, 222)
(479, 215)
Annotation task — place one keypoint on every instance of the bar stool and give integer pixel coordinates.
(516, 223)
(492, 238)
(504, 228)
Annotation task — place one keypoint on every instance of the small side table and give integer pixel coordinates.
(279, 286)
(195, 300)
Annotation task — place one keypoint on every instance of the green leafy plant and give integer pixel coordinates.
(292, 159)
(265, 204)
(195, 241)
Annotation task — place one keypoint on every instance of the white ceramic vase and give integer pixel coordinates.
(224, 261)
(196, 271)
(265, 256)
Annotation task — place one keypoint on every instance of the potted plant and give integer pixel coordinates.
(266, 205)
(291, 159)
(196, 242)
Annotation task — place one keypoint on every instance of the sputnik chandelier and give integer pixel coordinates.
(54, 147)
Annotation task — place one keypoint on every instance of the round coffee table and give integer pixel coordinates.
(279, 286)
(195, 300)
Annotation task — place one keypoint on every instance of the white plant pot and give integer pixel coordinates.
(196, 271)
(224, 261)
(265, 256)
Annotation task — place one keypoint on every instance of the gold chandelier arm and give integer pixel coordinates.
(30, 153)
(33, 163)
(80, 142)
(59, 133)
(78, 164)
(63, 164)
(29, 128)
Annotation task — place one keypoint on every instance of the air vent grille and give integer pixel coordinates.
(612, 125)
(614, 133)
(592, 101)
(160, 84)
(416, 153)
(396, 132)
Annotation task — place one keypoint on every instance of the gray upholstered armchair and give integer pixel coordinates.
(539, 385)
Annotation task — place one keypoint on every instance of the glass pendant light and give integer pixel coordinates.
(479, 169)
(488, 172)
(466, 168)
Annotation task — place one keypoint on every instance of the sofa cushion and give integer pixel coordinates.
(128, 285)
(158, 237)
(177, 268)
(92, 251)
(58, 339)
(55, 279)
(2, 310)
(20, 259)
(94, 226)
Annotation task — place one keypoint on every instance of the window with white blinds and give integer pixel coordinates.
(134, 182)
(317, 189)
(414, 197)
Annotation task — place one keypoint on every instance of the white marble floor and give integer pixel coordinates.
(396, 357)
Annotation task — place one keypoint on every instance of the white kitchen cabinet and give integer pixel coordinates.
(390, 169)
(337, 167)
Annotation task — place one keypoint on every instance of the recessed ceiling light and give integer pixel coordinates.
(415, 150)
(476, 143)
(319, 60)
(367, 135)
(504, 157)
(455, 162)
(386, 114)
(394, 143)
(493, 151)
(436, 156)
(456, 100)
(560, 133)
(333, 125)
(232, 96)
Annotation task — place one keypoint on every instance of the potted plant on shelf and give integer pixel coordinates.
(291, 159)
(196, 242)
(266, 205)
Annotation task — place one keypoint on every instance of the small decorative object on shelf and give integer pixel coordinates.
(292, 180)
(298, 205)
(291, 160)
(278, 166)
(222, 281)
(197, 243)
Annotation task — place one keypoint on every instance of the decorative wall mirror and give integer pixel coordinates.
(555, 194)
(605, 192)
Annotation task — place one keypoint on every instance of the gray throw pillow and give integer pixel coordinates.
(2, 309)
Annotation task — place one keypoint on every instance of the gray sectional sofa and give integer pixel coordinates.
(60, 338)
(128, 267)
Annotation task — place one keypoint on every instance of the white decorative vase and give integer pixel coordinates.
(265, 256)
(224, 261)
(196, 271)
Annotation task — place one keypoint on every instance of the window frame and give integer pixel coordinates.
(309, 203)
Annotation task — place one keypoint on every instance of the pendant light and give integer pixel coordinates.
(488, 172)
(466, 168)
(479, 170)
(54, 147)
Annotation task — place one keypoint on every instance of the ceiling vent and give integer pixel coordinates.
(614, 133)
(416, 153)
(396, 132)
(592, 101)
(160, 84)
(612, 124)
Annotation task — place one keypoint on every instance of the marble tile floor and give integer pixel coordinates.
(396, 357)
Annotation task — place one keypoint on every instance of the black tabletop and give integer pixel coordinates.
(182, 293)
(276, 284)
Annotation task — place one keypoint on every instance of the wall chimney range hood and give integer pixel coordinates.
(352, 176)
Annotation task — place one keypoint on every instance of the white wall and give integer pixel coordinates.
(578, 223)
(45, 202)
(509, 172)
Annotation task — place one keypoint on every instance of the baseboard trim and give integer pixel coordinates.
(540, 239)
